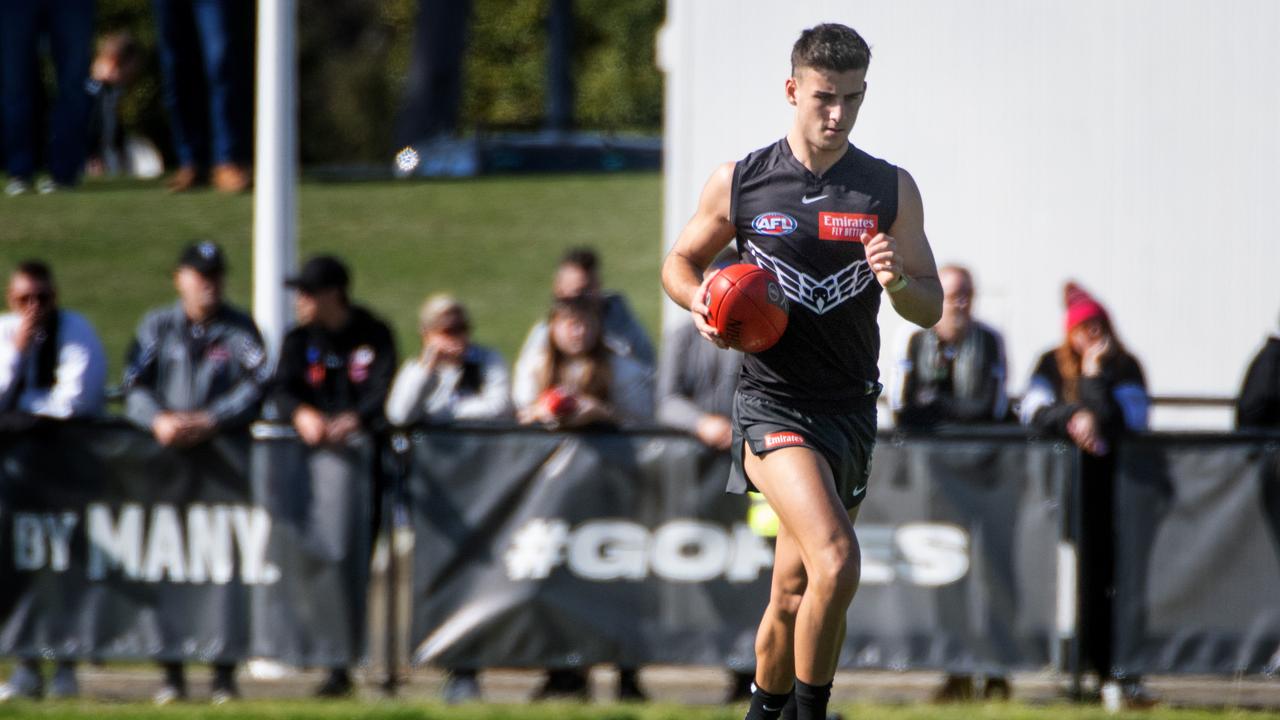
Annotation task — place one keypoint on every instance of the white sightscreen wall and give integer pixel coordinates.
(1133, 146)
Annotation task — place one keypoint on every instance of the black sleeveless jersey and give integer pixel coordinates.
(806, 230)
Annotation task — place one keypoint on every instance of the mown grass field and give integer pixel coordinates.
(385, 710)
(492, 241)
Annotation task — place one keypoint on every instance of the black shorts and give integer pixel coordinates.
(845, 440)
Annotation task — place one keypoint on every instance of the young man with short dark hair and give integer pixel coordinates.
(836, 226)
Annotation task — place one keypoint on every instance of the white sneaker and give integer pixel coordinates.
(48, 186)
(23, 683)
(169, 694)
(17, 186)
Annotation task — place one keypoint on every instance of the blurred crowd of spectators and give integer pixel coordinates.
(198, 367)
(205, 53)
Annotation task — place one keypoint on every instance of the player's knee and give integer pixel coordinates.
(785, 601)
(837, 569)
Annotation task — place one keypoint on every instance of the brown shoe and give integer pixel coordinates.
(230, 178)
(188, 177)
(957, 688)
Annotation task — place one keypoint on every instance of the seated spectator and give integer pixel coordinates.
(335, 370)
(955, 371)
(452, 378)
(51, 361)
(112, 151)
(578, 275)
(1258, 406)
(1092, 390)
(51, 365)
(578, 379)
(196, 369)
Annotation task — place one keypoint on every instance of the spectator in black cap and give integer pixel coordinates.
(196, 369)
(336, 368)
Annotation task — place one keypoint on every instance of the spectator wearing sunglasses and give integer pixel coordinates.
(452, 378)
(51, 361)
(51, 365)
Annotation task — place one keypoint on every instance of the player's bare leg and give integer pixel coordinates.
(775, 640)
(799, 486)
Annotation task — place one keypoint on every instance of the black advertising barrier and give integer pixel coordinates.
(114, 547)
(320, 500)
(1198, 554)
(960, 535)
(539, 549)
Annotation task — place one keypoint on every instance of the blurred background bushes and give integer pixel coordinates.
(353, 55)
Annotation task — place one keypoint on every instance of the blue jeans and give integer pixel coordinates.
(206, 64)
(67, 25)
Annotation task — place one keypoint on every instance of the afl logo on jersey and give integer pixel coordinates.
(774, 223)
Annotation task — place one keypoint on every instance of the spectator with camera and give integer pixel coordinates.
(52, 365)
(578, 379)
(452, 378)
(578, 276)
(51, 361)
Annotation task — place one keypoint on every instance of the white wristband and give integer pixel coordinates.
(898, 284)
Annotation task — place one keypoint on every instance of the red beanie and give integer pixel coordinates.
(1081, 306)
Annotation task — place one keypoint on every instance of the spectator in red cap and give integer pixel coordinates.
(1092, 390)
(1089, 388)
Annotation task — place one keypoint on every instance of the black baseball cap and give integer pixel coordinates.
(322, 272)
(204, 257)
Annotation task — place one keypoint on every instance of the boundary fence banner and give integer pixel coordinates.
(314, 610)
(1198, 555)
(114, 547)
(537, 549)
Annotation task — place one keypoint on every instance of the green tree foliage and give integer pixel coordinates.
(353, 56)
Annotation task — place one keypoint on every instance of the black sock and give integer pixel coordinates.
(789, 710)
(811, 701)
(765, 705)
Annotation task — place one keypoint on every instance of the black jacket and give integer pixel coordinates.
(350, 369)
(1259, 403)
(1117, 397)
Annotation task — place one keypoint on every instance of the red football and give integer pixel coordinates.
(746, 306)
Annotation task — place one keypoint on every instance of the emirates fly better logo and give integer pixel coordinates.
(782, 439)
(846, 226)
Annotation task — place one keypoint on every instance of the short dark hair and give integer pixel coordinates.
(583, 257)
(830, 46)
(36, 270)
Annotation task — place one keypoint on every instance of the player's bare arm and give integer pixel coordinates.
(905, 251)
(705, 235)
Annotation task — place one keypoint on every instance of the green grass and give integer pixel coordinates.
(386, 710)
(492, 241)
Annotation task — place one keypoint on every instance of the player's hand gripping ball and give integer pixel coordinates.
(746, 306)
